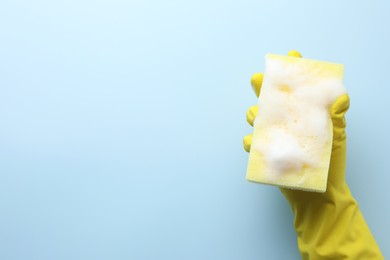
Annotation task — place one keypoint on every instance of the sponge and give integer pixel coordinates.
(293, 131)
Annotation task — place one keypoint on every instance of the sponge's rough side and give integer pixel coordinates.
(292, 139)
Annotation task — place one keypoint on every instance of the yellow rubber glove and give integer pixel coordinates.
(328, 225)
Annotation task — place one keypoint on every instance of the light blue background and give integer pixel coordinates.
(121, 124)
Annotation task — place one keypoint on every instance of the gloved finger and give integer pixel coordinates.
(338, 110)
(247, 142)
(251, 114)
(256, 82)
(294, 53)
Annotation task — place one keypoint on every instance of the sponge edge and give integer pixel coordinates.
(293, 132)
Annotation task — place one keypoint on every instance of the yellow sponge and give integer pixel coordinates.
(292, 139)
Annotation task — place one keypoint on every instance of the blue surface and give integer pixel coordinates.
(122, 124)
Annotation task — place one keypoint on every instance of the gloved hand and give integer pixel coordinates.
(328, 225)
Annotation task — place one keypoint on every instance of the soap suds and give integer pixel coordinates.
(293, 115)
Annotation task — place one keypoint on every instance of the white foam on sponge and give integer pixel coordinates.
(293, 117)
(284, 152)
